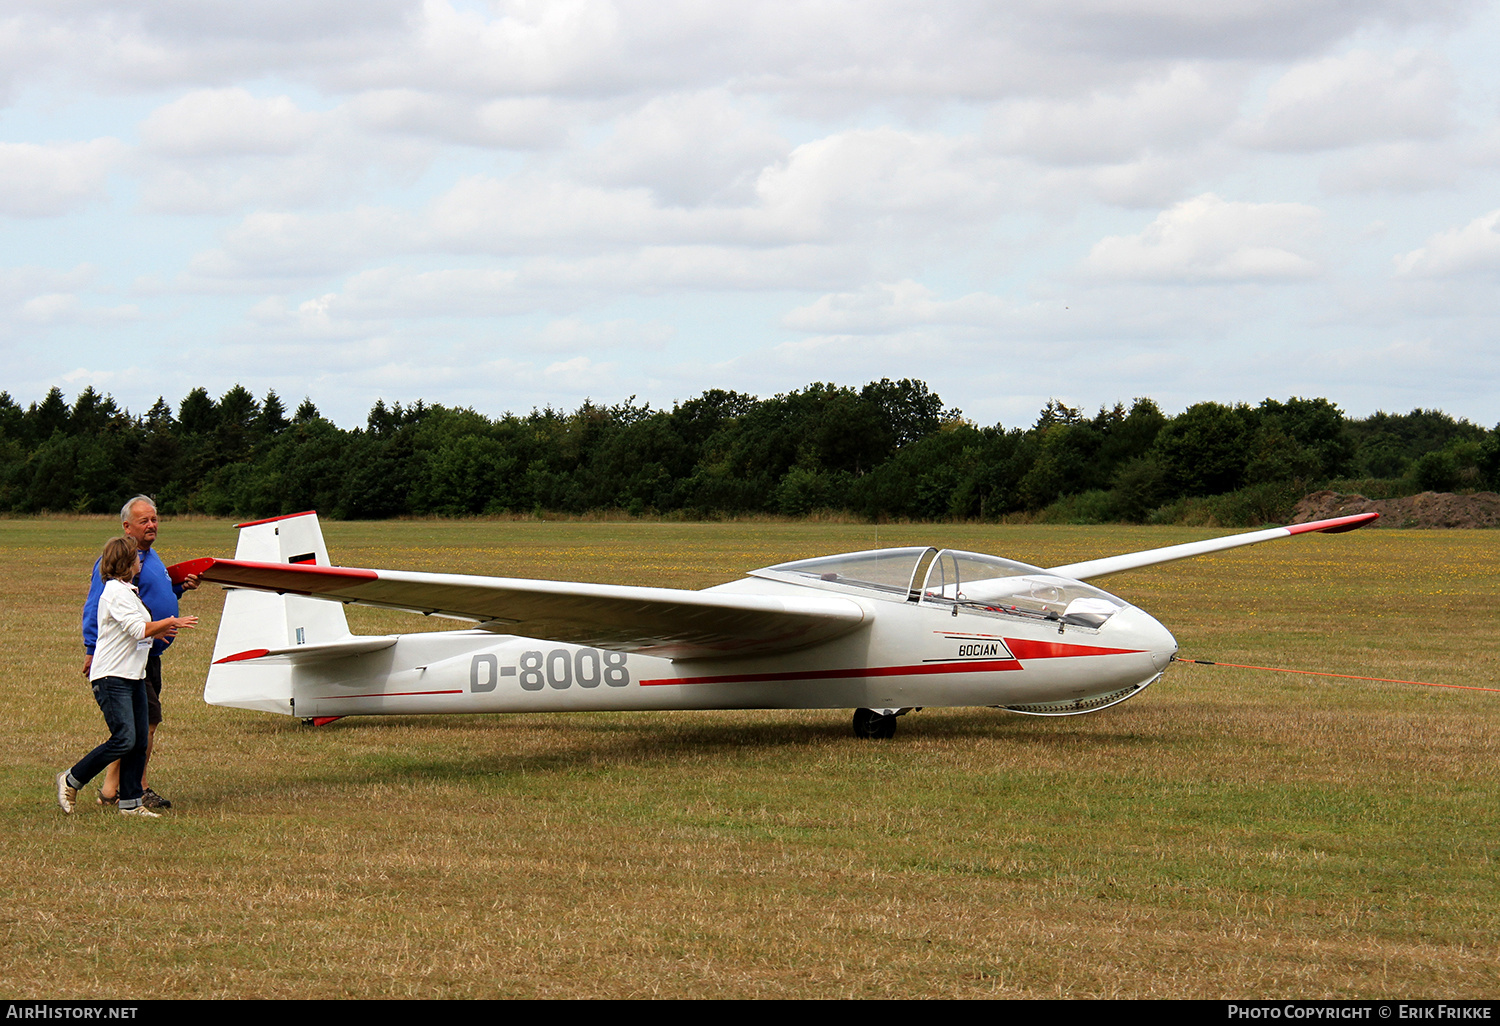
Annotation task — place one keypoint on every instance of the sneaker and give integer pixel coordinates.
(151, 800)
(141, 811)
(113, 799)
(67, 797)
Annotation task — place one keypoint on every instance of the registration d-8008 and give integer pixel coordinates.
(561, 668)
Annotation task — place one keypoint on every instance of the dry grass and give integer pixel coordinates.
(1228, 833)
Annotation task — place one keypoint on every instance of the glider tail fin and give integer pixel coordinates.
(256, 620)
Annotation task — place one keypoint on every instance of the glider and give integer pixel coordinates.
(884, 632)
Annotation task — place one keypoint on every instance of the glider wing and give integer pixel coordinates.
(1150, 557)
(654, 621)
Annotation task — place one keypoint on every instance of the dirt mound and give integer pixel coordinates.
(1429, 509)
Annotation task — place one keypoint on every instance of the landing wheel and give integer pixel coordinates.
(871, 724)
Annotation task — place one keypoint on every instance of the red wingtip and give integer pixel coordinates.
(1337, 525)
(180, 572)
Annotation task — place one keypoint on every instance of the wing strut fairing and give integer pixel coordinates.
(1150, 557)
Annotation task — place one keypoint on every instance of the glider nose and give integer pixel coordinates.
(1146, 632)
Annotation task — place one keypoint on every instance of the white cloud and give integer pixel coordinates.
(128, 47)
(20, 283)
(267, 247)
(220, 150)
(1208, 239)
(817, 55)
(851, 355)
(459, 292)
(1402, 167)
(582, 373)
(240, 185)
(370, 300)
(1229, 30)
(570, 334)
(42, 314)
(525, 48)
(1474, 248)
(46, 309)
(499, 215)
(1150, 181)
(47, 180)
(274, 245)
(689, 149)
(511, 122)
(652, 269)
(1397, 359)
(1179, 108)
(228, 122)
(876, 181)
(36, 300)
(313, 319)
(1354, 99)
(855, 177)
(902, 304)
(864, 184)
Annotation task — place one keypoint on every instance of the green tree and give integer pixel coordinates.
(1203, 449)
(197, 414)
(157, 461)
(235, 431)
(272, 421)
(49, 416)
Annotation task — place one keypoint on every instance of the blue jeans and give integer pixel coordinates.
(123, 703)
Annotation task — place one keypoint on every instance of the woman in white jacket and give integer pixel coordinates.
(118, 676)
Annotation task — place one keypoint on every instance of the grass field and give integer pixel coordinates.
(1228, 833)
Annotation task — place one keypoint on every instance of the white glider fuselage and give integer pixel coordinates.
(887, 630)
(899, 658)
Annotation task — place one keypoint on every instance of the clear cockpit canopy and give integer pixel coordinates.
(971, 581)
(989, 584)
(892, 571)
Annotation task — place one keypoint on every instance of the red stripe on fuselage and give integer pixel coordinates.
(394, 694)
(1024, 649)
(1020, 648)
(989, 666)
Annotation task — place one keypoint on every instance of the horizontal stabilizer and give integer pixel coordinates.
(1150, 557)
(299, 654)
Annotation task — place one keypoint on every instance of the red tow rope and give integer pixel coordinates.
(1346, 676)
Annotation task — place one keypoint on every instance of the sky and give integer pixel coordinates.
(510, 205)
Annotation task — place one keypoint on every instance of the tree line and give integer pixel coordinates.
(889, 449)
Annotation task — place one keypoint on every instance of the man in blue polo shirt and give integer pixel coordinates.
(160, 595)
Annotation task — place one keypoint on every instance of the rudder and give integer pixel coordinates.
(255, 621)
